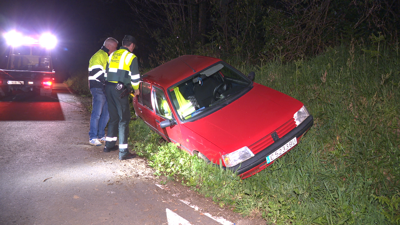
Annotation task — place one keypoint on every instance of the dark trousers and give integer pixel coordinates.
(120, 115)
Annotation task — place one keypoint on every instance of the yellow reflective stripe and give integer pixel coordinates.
(128, 58)
(121, 62)
(135, 80)
(187, 109)
(166, 109)
(185, 106)
(109, 58)
(135, 86)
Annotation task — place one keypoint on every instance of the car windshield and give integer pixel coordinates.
(208, 90)
(30, 58)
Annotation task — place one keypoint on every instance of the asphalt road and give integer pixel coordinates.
(49, 174)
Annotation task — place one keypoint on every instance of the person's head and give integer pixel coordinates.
(129, 42)
(111, 44)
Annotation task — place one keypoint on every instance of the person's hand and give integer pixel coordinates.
(137, 92)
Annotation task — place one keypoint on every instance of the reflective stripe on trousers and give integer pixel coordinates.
(118, 125)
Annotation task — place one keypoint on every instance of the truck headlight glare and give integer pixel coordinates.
(48, 41)
(14, 38)
(238, 156)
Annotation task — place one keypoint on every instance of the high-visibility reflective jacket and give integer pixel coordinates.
(185, 106)
(97, 66)
(123, 67)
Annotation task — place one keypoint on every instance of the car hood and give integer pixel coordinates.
(247, 119)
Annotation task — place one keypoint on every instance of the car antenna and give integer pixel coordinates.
(194, 71)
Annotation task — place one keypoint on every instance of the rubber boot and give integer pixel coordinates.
(125, 154)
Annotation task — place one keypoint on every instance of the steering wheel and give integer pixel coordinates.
(219, 89)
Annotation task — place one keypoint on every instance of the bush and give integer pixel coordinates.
(78, 82)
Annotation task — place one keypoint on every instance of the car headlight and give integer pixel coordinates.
(238, 156)
(301, 115)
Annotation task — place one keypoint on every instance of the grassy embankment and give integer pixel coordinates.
(344, 171)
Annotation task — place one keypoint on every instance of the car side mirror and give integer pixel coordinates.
(167, 123)
(251, 76)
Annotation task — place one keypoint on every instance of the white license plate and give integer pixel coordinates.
(282, 150)
(15, 82)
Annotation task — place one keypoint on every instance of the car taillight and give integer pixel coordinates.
(47, 83)
(1, 82)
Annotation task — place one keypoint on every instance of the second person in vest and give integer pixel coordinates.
(122, 73)
(97, 67)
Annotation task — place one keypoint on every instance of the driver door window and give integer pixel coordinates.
(161, 104)
(146, 95)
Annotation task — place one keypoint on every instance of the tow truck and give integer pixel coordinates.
(29, 66)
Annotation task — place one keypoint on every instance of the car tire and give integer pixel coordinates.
(203, 157)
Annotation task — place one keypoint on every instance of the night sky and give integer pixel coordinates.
(81, 26)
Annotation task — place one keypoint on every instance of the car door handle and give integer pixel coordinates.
(157, 121)
(140, 109)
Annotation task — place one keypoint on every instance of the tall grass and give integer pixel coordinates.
(344, 171)
(78, 82)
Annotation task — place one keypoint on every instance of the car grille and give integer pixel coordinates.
(268, 140)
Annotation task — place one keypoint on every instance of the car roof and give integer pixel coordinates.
(178, 69)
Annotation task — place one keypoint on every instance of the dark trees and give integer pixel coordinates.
(254, 29)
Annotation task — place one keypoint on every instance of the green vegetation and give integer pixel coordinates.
(78, 82)
(344, 171)
(253, 30)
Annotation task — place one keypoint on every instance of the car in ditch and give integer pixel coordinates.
(210, 109)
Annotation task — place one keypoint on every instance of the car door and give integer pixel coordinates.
(144, 108)
(163, 112)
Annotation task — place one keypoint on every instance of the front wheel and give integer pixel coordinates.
(203, 157)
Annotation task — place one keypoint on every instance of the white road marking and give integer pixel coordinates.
(220, 220)
(175, 219)
(160, 186)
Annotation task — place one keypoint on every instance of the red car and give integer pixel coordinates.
(210, 109)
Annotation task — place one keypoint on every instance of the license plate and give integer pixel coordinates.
(282, 150)
(15, 82)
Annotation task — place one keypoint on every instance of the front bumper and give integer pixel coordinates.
(259, 160)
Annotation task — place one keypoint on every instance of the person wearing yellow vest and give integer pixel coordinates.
(122, 73)
(185, 106)
(99, 117)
